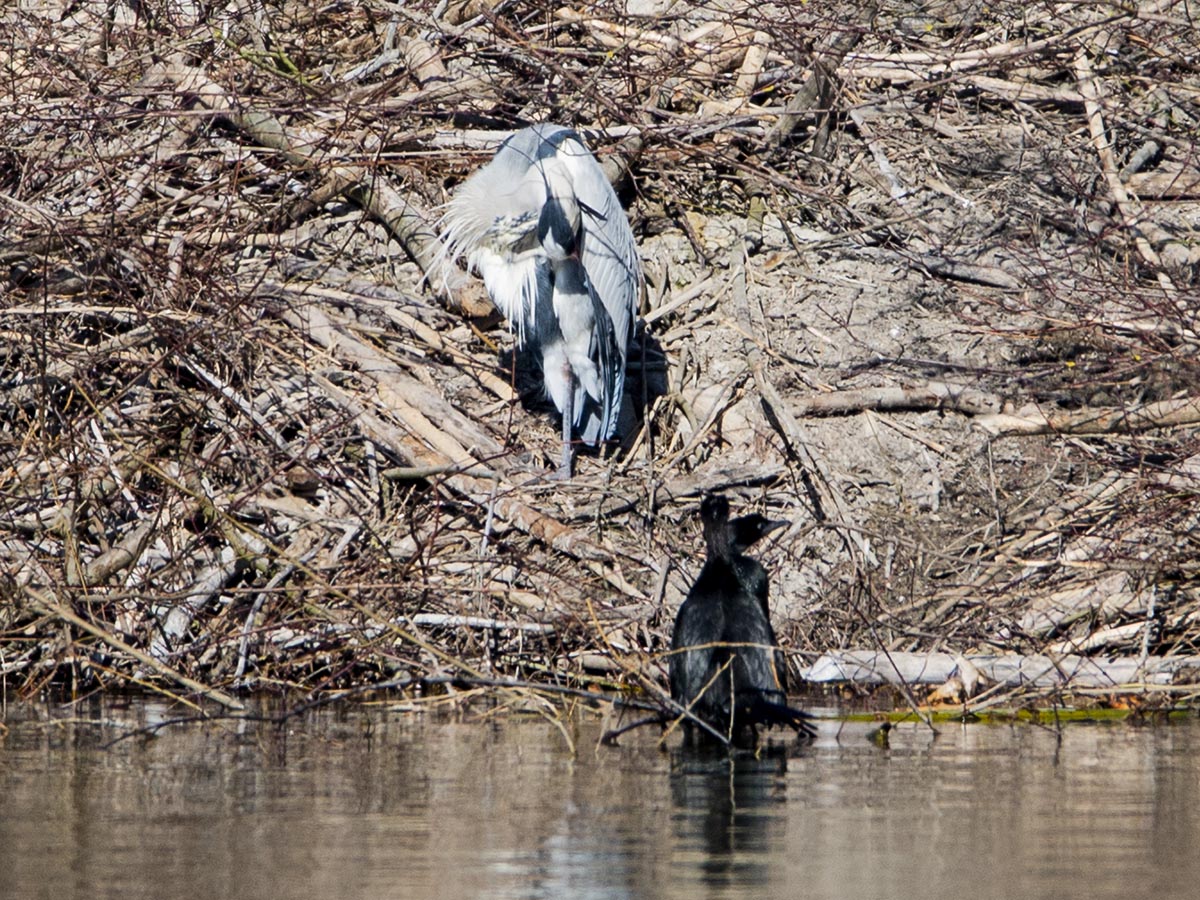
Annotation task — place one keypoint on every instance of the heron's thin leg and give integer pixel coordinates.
(568, 418)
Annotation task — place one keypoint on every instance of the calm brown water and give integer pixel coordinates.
(390, 805)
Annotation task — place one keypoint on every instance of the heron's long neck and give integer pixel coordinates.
(561, 187)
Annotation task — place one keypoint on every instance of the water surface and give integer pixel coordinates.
(371, 803)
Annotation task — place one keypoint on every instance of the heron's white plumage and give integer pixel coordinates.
(576, 304)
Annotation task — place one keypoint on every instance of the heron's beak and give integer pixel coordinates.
(594, 213)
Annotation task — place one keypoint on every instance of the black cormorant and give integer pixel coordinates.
(725, 665)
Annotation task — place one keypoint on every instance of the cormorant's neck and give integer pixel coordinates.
(719, 539)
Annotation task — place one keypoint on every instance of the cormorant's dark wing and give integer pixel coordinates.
(760, 669)
(701, 622)
(757, 669)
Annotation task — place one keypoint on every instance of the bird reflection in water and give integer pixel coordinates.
(726, 812)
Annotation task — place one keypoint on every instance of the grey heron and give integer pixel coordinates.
(543, 227)
(725, 663)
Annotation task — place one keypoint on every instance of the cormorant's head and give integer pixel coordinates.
(747, 530)
(714, 508)
(728, 537)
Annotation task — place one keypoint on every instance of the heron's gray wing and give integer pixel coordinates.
(609, 251)
(492, 220)
(609, 258)
(597, 421)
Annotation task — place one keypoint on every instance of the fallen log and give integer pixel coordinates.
(1009, 669)
(1102, 420)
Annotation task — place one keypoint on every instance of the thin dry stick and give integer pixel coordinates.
(829, 503)
(48, 606)
(1134, 220)
(932, 395)
(406, 220)
(686, 711)
(828, 59)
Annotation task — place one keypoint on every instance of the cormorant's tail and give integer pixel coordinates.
(769, 712)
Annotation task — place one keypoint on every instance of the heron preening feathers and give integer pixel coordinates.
(541, 224)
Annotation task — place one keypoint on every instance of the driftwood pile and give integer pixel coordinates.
(255, 436)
